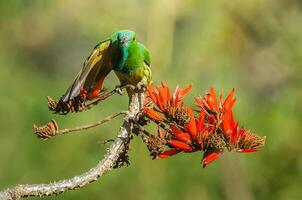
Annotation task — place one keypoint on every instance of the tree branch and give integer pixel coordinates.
(117, 149)
(51, 128)
(88, 126)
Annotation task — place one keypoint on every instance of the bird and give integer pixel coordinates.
(121, 53)
(132, 63)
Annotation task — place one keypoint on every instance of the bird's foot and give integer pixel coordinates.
(140, 119)
(118, 89)
(141, 87)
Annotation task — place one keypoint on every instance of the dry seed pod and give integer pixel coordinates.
(63, 108)
(46, 131)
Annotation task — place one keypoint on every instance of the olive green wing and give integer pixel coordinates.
(147, 56)
(96, 67)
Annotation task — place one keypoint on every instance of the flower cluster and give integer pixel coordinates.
(210, 127)
(171, 106)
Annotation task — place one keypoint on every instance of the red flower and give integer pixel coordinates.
(191, 126)
(220, 113)
(209, 102)
(211, 131)
(168, 153)
(249, 142)
(152, 114)
(167, 104)
(230, 127)
(210, 157)
(239, 138)
(193, 137)
(180, 135)
(229, 102)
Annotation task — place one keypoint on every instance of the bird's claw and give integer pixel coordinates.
(140, 119)
(118, 90)
(140, 87)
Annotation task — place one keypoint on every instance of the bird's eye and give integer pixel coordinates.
(134, 39)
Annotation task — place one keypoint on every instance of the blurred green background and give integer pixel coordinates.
(252, 45)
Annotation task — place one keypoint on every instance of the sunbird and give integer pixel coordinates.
(120, 52)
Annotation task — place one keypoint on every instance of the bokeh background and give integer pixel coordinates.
(252, 45)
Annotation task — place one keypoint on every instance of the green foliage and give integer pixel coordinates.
(254, 46)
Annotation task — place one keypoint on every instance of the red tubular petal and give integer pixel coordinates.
(180, 145)
(232, 104)
(151, 93)
(185, 91)
(168, 153)
(234, 134)
(226, 127)
(168, 95)
(175, 130)
(167, 90)
(207, 159)
(184, 137)
(153, 114)
(163, 84)
(234, 125)
(229, 97)
(179, 134)
(212, 100)
(229, 101)
(191, 126)
(200, 121)
(247, 150)
(163, 96)
(160, 99)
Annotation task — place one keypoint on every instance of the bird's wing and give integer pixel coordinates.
(147, 61)
(95, 69)
(147, 58)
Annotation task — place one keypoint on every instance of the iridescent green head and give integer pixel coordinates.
(125, 36)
